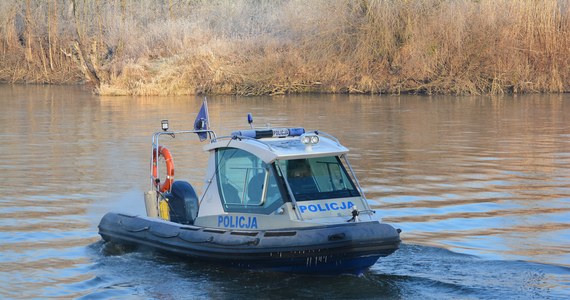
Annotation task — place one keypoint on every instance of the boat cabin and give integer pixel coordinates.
(274, 178)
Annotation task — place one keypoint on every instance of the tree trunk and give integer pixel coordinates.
(28, 32)
(52, 32)
(84, 61)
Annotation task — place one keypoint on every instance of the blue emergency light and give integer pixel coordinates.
(269, 133)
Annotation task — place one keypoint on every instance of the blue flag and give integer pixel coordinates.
(201, 122)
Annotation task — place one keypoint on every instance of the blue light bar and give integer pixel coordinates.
(296, 131)
(280, 132)
(269, 133)
(244, 133)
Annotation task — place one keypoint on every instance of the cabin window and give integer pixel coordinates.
(318, 178)
(246, 183)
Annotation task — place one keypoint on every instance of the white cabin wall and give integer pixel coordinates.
(210, 202)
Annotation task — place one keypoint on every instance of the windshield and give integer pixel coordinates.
(318, 178)
(246, 183)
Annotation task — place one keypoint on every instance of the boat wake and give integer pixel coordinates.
(414, 271)
(431, 272)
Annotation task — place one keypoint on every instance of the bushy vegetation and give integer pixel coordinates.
(252, 47)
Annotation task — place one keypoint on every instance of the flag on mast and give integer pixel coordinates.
(202, 122)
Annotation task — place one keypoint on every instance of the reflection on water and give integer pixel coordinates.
(479, 176)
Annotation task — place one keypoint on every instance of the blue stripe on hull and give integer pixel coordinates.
(316, 265)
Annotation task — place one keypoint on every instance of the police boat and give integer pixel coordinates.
(276, 199)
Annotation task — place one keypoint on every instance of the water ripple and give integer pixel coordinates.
(479, 186)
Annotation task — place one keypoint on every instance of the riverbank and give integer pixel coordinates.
(125, 47)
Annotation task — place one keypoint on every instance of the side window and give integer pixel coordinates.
(247, 184)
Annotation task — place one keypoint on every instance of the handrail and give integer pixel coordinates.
(241, 137)
(155, 136)
(332, 137)
(367, 206)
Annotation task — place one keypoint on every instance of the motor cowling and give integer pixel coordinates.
(183, 203)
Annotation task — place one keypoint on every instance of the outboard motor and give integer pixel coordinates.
(183, 203)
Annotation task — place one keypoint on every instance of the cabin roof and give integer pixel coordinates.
(271, 149)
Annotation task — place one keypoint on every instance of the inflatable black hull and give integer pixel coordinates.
(331, 249)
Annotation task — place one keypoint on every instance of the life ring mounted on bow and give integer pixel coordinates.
(164, 152)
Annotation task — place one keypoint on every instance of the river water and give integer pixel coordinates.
(480, 187)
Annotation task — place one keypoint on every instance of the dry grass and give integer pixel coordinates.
(278, 47)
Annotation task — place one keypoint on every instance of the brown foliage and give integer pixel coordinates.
(254, 47)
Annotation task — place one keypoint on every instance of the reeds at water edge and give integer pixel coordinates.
(255, 47)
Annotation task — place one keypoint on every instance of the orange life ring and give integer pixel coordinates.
(164, 152)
